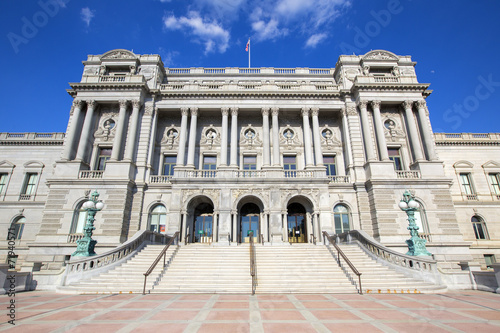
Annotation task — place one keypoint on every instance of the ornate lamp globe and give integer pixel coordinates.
(403, 205)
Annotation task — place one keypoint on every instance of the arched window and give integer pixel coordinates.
(342, 219)
(479, 227)
(17, 228)
(421, 219)
(79, 220)
(158, 218)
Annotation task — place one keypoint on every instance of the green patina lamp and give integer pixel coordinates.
(416, 245)
(85, 246)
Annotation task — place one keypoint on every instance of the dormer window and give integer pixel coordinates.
(380, 71)
(117, 71)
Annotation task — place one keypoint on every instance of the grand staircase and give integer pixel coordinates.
(297, 268)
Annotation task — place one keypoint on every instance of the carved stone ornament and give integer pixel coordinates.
(362, 104)
(249, 137)
(225, 111)
(376, 104)
(329, 138)
(265, 111)
(395, 71)
(91, 71)
(392, 129)
(314, 112)
(351, 110)
(407, 104)
(148, 109)
(123, 103)
(107, 129)
(210, 136)
(258, 192)
(275, 111)
(185, 112)
(350, 74)
(170, 137)
(421, 104)
(380, 55)
(194, 111)
(119, 54)
(289, 138)
(366, 70)
(91, 104)
(136, 103)
(304, 112)
(234, 111)
(212, 194)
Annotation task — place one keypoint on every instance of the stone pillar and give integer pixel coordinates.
(316, 137)
(379, 129)
(87, 127)
(192, 137)
(215, 234)
(266, 136)
(285, 226)
(367, 138)
(182, 137)
(264, 226)
(234, 237)
(412, 128)
(130, 149)
(316, 227)
(426, 131)
(120, 129)
(184, 226)
(347, 136)
(234, 137)
(70, 141)
(307, 137)
(223, 149)
(276, 137)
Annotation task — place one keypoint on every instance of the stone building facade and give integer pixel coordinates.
(216, 152)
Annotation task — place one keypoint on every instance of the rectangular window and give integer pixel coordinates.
(395, 156)
(249, 162)
(489, 259)
(30, 185)
(168, 165)
(104, 155)
(290, 166)
(494, 182)
(3, 182)
(465, 182)
(329, 162)
(209, 162)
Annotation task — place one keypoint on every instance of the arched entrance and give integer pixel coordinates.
(203, 223)
(249, 221)
(296, 223)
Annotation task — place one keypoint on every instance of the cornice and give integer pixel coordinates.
(391, 86)
(468, 143)
(261, 95)
(107, 86)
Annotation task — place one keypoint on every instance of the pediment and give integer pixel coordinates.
(33, 164)
(491, 164)
(380, 55)
(463, 164)
(7, 164)
(119, 54)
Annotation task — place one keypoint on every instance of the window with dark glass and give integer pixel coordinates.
(102, 158)
(290, 165)
(479, 226)
(30, 185)
(168, 165)
(395, 156)
(329, 162)
(494, 182)
(18, 227)
(209, 162)
(341, 218)
(158, 219)
(249, 162)
(3, 182)
(465, 182)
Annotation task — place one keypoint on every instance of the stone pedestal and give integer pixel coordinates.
(380, 170)
(430, 169)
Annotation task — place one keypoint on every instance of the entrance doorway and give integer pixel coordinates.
(249, 221)
(203, 223)
(296, 223)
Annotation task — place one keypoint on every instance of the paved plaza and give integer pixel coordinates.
(467, 311)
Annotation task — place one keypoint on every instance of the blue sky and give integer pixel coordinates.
(456, 44)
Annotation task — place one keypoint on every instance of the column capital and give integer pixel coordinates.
(376, 104)
(275, 111)
(77, 103)
(265, 111)
(225, 111)
(408, 104)
(421, 104)
(362, 104)
(343, 111)
(234, 111)
(185, 111)
(315, 111)
(136, 103)
(194, 111)
(123, 103)
(305, 112)
(351, 110)
(91, 103)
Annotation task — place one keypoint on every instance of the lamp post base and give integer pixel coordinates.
(85, 247)
(416, 247)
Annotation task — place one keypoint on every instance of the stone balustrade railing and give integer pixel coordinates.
(25, 197)
(128, 78)
(339, 179)
(249, 85)
(31, 138)
(72, 238)
(160, 179)
(378, 250)
(457, 138)
(79, 268)
(250, 174)
(408, 174)
(91, 174)
(238, 70)
(364, 79)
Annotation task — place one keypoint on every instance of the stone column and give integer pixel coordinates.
(130, 149)
(379, 129)
(70, 141)
(120, 129)
(276, 137)
(184, 226)
(285, 227)
(426, 131)
(223, 150)
(412, 127)
(307, 137)
(264, 226)
(367, 138)
(316, 137)
(316, 227)
(87, 127)
(234, 237)
(234, 137)
(182, 137)
(347, 136)
(192, 137)
(215, 233)
(266, 136)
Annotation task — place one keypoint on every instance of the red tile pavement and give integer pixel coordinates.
(320, 305)
(484, 314)
(476, 327)
(416, 327)
(276, 305)
(352, 327)
(175, 315)
(224, 328)
(33, 328)
(160, 327)
(120, 315)
(85, 328)
(288, 327)
(228, 315)
(334, 315)
(281, 315)
(187, 305)
(231, 305)
(388, 315)
(68, 315)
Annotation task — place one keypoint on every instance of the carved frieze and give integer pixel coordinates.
(170, 137)
(212, 194)
(289, 138)
(258, 192)
(380, 55)
(107, 126)
(330, 137)
(249, 137)
(210, 136)
(393, 129)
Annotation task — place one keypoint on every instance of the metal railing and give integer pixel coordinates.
(253, 269)
(340, 253)
(162, 253)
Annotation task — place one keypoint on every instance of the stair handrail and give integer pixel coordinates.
(162, 253)
(253, 270)
(262, 239)
(341, 253)
(313, 239)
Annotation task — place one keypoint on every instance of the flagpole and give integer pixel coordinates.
(248, 52)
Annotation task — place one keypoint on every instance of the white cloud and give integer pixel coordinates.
(86, 14)
(315, 39)
(209, 33)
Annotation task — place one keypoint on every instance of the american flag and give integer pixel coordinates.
(248, 45)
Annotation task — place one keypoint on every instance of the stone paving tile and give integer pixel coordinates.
(288, 327)
(334, 315)
(175, 315)
(352, 328)
(407, 327)
(224, 328)
(476, 327)
(276, 305)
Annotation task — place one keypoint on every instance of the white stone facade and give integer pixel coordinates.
(215, 152)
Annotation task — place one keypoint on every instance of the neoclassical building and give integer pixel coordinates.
(214, 153)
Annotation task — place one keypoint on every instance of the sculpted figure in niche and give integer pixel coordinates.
(366, 70)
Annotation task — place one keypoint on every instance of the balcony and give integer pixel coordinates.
(113, 79)
(408, 174)
(91, 174)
